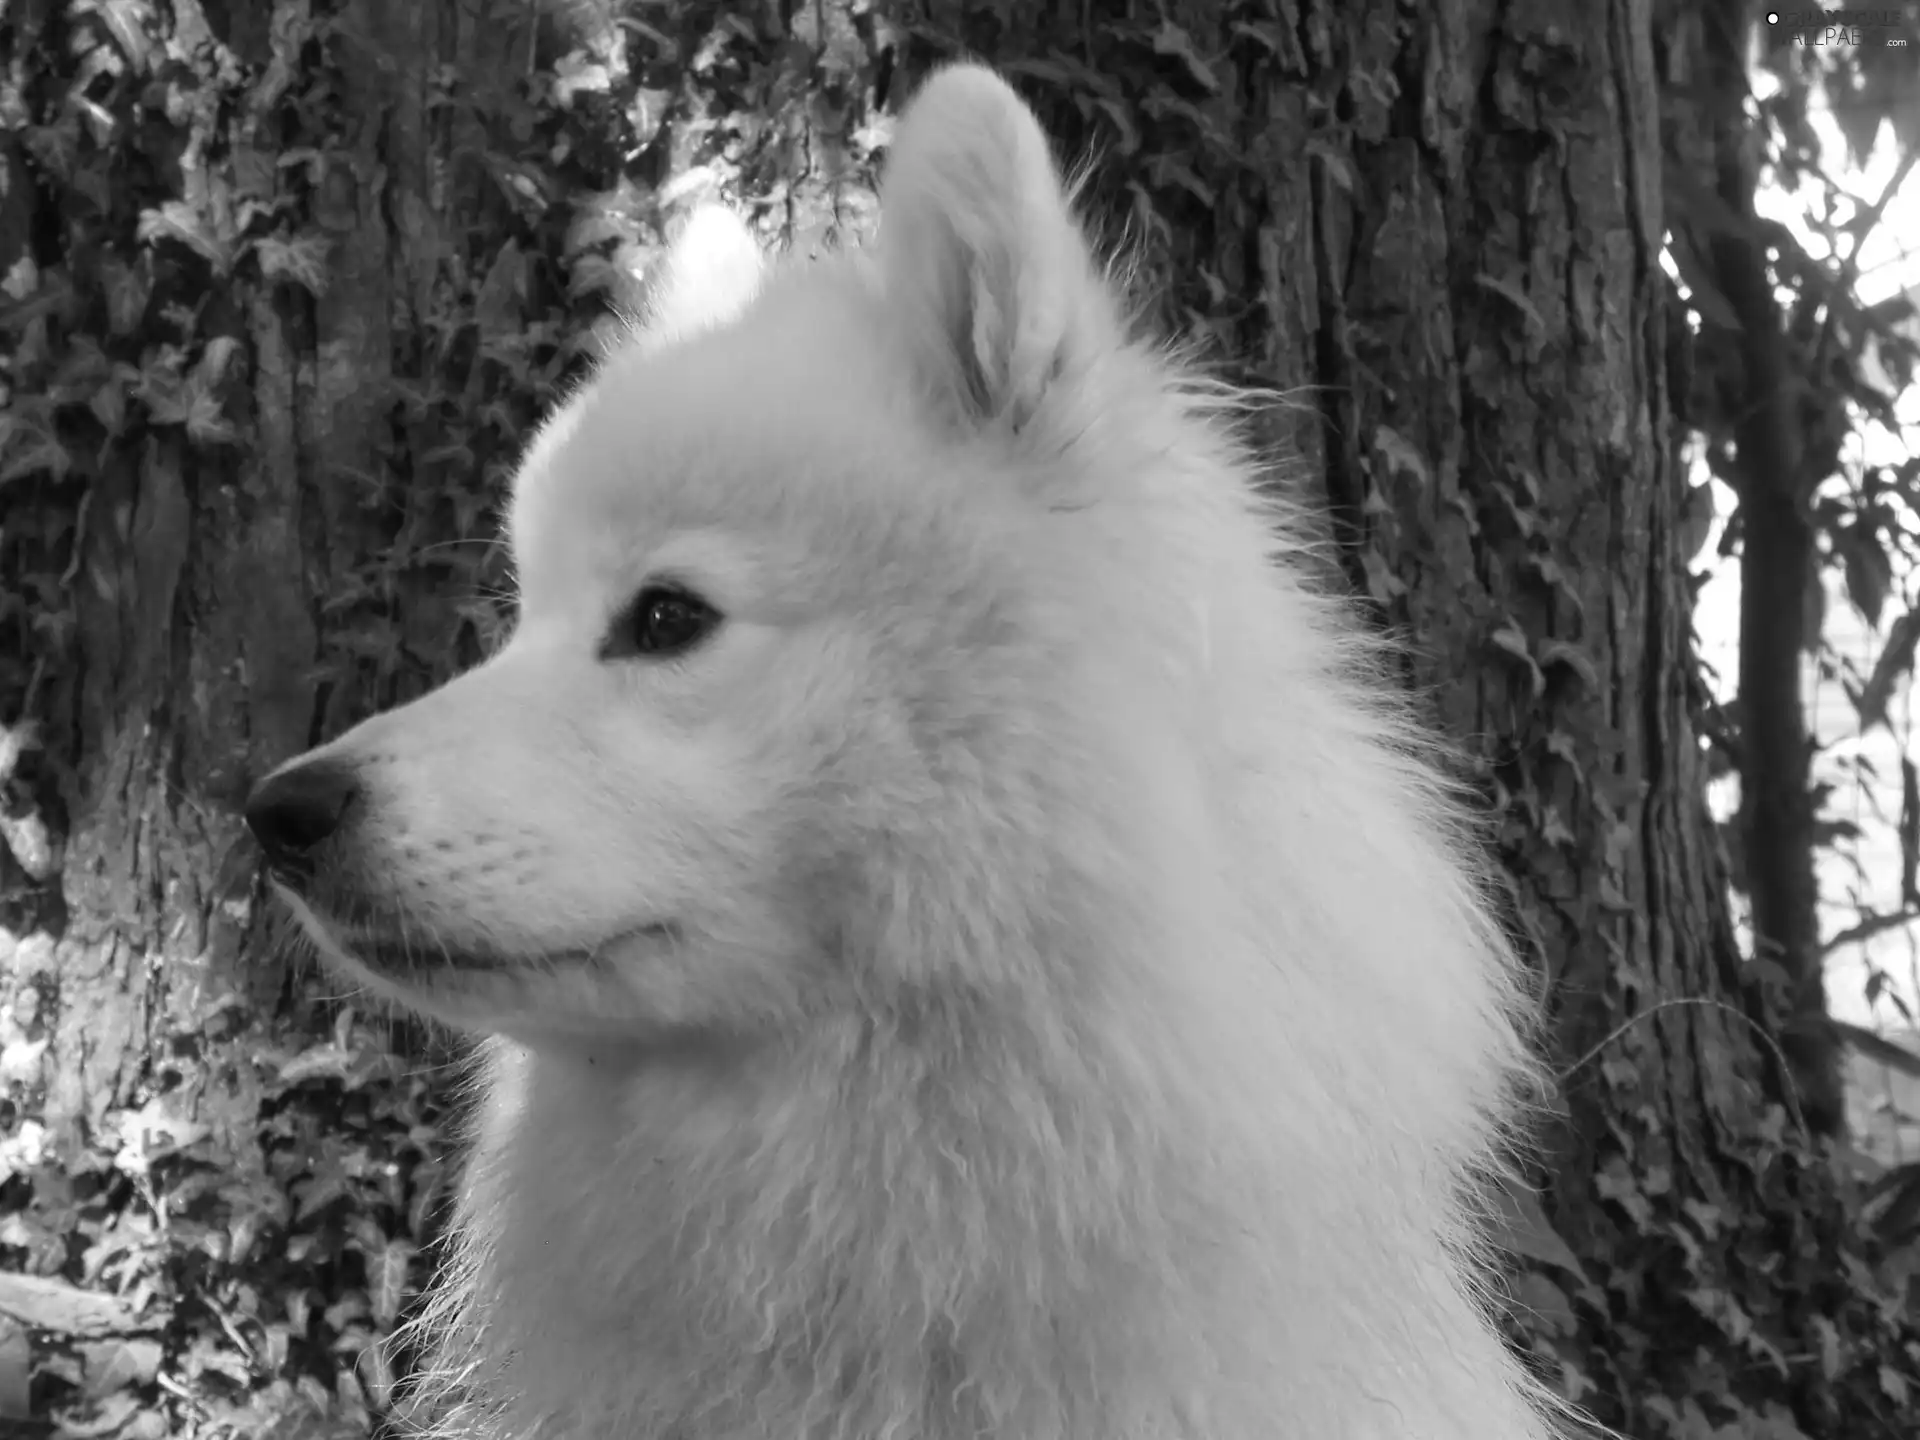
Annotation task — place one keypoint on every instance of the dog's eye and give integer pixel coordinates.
(663, 621)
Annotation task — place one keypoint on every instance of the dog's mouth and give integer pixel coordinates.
(400, 959)
(427, 955)
(399, 951)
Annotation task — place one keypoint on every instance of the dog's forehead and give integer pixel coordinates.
(724, 430)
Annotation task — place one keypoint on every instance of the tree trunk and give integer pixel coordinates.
(1775, 478)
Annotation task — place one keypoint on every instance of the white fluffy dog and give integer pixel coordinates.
(966, 945)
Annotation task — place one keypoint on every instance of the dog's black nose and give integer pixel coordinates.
(292, 811)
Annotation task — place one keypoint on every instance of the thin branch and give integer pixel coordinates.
(1863, 225)
(1869, 926)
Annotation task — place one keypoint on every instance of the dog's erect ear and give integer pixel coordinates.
(709, 273)
(980, 250)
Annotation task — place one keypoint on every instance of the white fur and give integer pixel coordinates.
(711, 273)
(1079, 1021)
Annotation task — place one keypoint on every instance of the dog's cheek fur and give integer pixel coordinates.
(510, 824)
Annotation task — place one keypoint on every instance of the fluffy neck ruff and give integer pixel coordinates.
(1133, 1211)
(961, 1212)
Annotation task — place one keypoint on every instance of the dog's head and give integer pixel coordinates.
(823, 612)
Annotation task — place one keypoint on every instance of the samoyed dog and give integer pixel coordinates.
(964, 943)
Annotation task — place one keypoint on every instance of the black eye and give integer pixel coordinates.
(663, 621)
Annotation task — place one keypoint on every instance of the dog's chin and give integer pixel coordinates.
(485, 992)
(571, 1002)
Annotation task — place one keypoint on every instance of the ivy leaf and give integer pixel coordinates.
(128, 288)
(1170, 39)
(1382, 584)
(119, 1364)
(177, 220)
(1561, 652)
(1400, 453)
(1267, 38)
(16, 1371)
(1513, 295)
(125, 21)
(47, 1303)
(577, 72)
(29, 447)
(1520, 1227)
(1877, 1048)
(1334, 162)
(1510, 638)
(1867, 568)
(1894, 1386)
(298, 259)
(1123, 125)
(1168, 171)
(1542, 1303)
(1896, 660)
